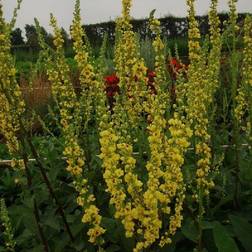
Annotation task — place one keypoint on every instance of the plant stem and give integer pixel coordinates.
(48, 184)
(25, 136)
(237, 169)
(42, 236)
(200, 216)
(35, 205)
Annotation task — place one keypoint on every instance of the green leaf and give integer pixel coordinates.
(207, 225)
(243, 231)
(189, 230)
(61, 242)
(79, 245)
(77, 228)
(29, 221)
(53, 222)
(27, 235)
(151, 16)
(208, 240)
(112, 230)
(38, 248)
(113, 248)
(223, 241)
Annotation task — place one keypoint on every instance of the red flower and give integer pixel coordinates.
(175, 64)
(151, 74)
(111, 83)
(111, 80)
(151, 78)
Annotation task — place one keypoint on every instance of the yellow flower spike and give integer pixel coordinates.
(70, 109)
(9, 240)
(112, 173)
(119, 164)
(173, 186)
(92, 83)
(244, 93)
(151, 223)
(160, 64)
(193, 33)
(232, 12)
(88, 82)
(12, 105)
(131, 71)
(202, 83)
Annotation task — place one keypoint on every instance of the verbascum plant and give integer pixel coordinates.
(161, 82)
(116, 140)
(233, 16)
(143, 219)
(125, 49)
(158, 46)
(232, 39)
(12, 105)
(92, 96)
(203, 80)
(15, 12)
(69, 106)
(151, 223)
(8, 230)
(196, 96)
(88, 83)
(244, 94)
(173, 188)
(113, 174)
(120, 177)
(193, 34)
(179, 91)
(130, 68)
(213, 70)
(179, 86)
(165, 183)
(212, 84)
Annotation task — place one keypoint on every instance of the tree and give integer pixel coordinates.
(31, 36)
(17, 38)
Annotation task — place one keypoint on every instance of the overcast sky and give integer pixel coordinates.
(96, 11)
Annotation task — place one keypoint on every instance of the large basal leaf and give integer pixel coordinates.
(52, 221)
(113, 248)
(190, 230)
(243, 231)
(112, 232)
(223, 241)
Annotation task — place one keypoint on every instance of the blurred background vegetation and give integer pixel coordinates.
(174, 29)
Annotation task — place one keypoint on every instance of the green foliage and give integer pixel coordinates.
(223, 240)
(242, 230)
